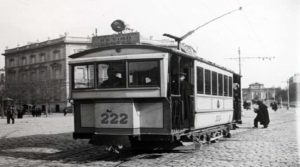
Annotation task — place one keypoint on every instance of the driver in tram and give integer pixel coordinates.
(114, 79)
(186, 89)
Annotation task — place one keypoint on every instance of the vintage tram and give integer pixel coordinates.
(149, 95)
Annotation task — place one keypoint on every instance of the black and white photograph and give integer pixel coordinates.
(166, 83)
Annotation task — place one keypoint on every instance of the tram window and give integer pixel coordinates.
(207, 82)
(143, 73)
(214, 83)
(225, 85)
(230, 86)
(220, 84)
(200, 80)
(83, 76)
(111, 75)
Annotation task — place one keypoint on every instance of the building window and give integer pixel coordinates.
(57, 73)
(42, 75)
(200, 80)
(42, 57)
(207, 82)
(11, 76)
(23, 61)
(32, 59)
(11, 62)
(33, 76)
(220, 84)
(56, 54)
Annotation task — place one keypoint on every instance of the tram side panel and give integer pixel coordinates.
(212, 106)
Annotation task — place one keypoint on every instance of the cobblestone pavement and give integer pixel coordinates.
(47, 141)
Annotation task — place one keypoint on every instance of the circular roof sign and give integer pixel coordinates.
(118, 25)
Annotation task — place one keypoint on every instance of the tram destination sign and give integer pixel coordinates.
(108, 40)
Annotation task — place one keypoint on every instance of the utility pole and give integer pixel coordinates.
(288, 94)
(240, 69)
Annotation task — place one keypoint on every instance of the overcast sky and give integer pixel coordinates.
(264, 28)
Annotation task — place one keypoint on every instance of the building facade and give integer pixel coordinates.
(2, 79)
(37, 74)
(294, 91)
(259, 92)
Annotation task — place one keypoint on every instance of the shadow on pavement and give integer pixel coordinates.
(62, 148)
(59, 147)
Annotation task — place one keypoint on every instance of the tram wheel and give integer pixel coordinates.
(228, 135)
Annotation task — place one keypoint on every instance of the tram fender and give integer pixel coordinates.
(82, 135)
(110, 140)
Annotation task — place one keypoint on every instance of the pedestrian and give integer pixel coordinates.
(274, 106)
(10, 114)
(65, 111)
(262, 114)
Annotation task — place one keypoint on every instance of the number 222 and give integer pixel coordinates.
(113, 118)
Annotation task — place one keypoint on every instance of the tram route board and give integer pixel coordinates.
(114, 39)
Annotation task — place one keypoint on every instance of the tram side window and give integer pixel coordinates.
(143, 74)
(214, 83)
(220, 85)
(230, 86)
(111, 75)
(200, 80)
(225, 85)
(207, 82)
(84, 76)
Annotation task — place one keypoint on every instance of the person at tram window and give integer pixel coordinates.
(114, 79)
(186, 89)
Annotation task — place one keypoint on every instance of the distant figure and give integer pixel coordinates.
(65, 111)
(246, 105)
(274, 106)
(262, 114)
(11, 113)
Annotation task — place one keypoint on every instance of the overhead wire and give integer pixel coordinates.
(254, 33)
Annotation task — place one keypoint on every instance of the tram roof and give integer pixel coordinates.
(147, 46)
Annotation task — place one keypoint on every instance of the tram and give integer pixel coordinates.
(149, 95)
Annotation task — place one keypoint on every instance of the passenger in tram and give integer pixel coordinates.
(114, 79)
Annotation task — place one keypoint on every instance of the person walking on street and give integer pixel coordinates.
(10, 113)
(262, 114)
(65, 111)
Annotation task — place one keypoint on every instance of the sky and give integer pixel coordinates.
(263, 28)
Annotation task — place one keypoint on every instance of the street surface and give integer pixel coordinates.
(47, 141)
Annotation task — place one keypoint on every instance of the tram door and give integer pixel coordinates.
(182, 91)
